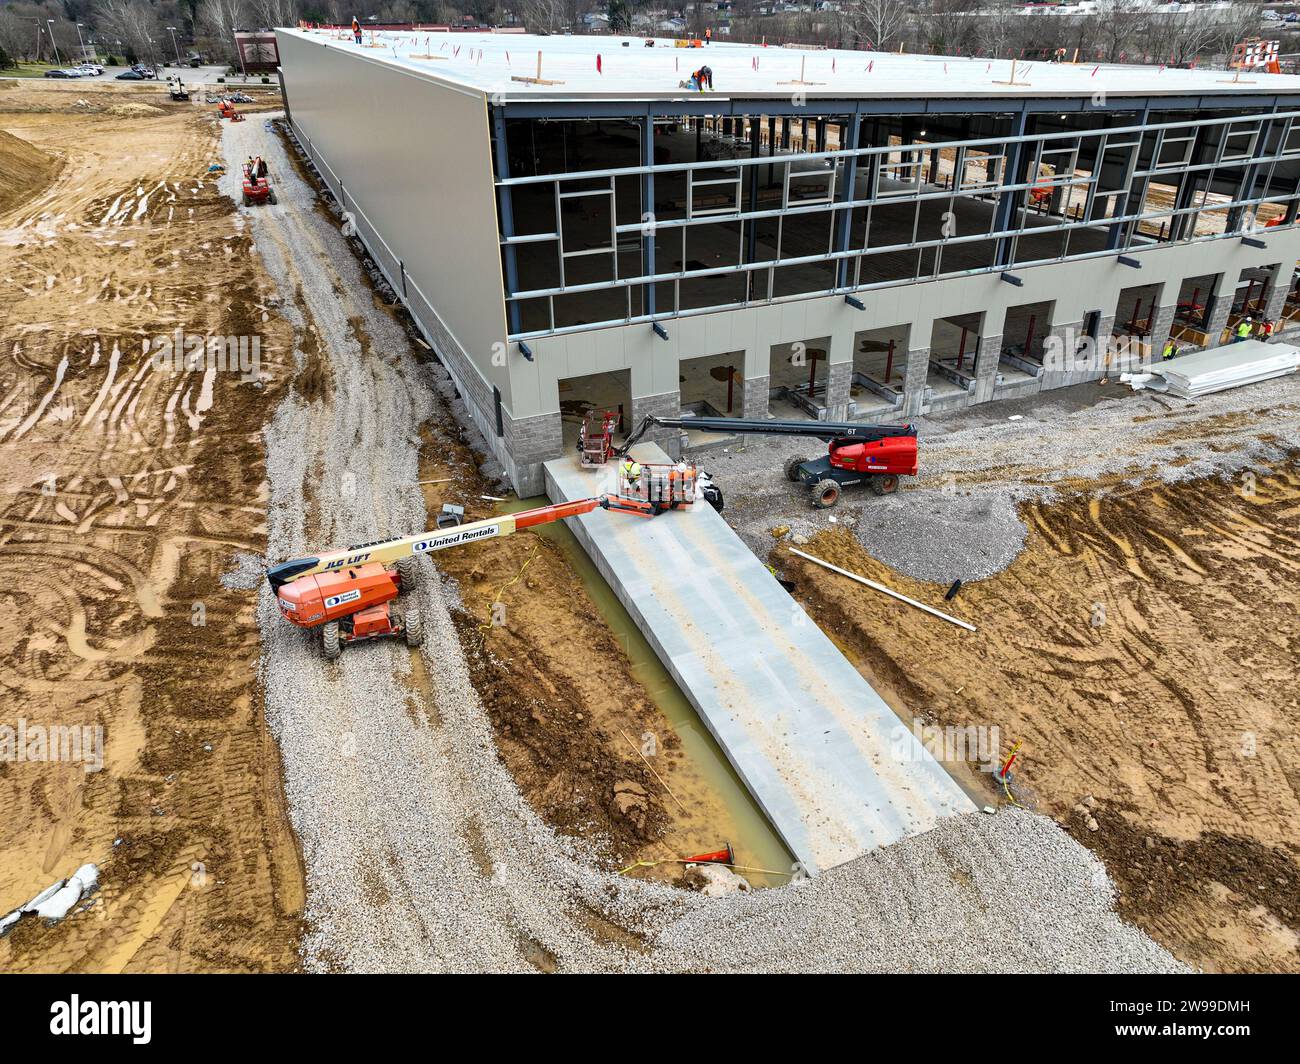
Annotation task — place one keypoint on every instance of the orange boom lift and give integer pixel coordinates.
(349, 594)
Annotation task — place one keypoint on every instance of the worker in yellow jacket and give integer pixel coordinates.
(631, 473)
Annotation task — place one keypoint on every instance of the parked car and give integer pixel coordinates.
(89, 70)
(63, 72)
(144, 71)
(130, 75)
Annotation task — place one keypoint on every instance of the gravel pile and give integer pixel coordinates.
(420, 852)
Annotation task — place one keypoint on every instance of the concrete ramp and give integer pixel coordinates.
(830, 764)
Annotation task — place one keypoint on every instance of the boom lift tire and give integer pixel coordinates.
(792, 467)
(329, 641)
(414, 627)
(885, 484)
(826, 493)
(408, 570)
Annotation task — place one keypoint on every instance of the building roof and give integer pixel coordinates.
(623, 68)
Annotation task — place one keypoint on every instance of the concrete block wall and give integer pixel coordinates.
(755, 392)
(1279, 287)
(532, 441)
(839, 379)
(1218, 319)
(915, 374)
(986, 368)
(1162, 322)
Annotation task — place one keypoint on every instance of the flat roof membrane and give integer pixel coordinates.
(602, 67)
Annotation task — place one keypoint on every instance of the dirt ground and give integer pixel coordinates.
(126, 490)
(572, 736)
(1143, 648)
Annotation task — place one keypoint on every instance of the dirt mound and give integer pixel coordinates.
(1143, 647)
(135, 110)
(24, 169)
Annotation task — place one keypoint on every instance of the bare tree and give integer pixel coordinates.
(952, 26)
(878, 24)
(999, 28)
(16, 38)
(217, 21)
(133, 22)
(544, 16)
(268, 14)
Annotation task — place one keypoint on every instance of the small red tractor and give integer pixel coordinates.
(256, 189)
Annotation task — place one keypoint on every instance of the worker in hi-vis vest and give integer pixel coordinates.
(1244, 328)
(1171, 349)
(631, 470)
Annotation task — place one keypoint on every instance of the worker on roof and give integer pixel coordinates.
(704, 77)
(356, 29)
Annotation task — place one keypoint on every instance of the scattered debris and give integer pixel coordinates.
(57, 900)
(887, 591)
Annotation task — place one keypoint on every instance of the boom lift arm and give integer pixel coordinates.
(391, 551)
(821, 430)
(349, 593)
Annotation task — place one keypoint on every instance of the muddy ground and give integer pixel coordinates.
(1143, 649)
(125, 492)
(573, 735)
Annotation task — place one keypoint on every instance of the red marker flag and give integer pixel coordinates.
(598, 70)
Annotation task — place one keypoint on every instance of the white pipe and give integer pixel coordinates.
(881, 587)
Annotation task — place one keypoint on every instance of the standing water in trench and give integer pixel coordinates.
(755, 843)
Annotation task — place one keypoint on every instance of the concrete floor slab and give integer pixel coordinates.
(830, 764)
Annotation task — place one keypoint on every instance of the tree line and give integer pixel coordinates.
(155, 31)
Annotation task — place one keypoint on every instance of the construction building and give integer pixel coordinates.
(826, 234)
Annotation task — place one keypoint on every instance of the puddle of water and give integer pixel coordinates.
(756, 843)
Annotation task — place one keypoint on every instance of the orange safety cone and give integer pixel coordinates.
(724, 856)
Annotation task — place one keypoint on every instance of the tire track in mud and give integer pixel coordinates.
(1144, 647)
(115, 524)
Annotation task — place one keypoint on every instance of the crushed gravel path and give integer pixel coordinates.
(420, 852)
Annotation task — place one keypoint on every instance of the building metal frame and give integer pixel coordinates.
(1271, 138)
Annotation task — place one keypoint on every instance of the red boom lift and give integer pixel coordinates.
(857, 453)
